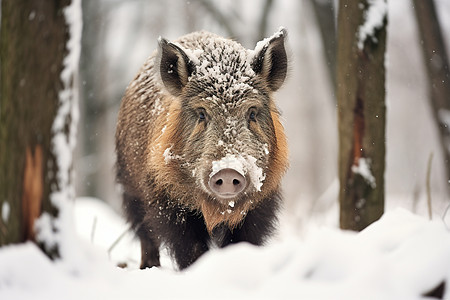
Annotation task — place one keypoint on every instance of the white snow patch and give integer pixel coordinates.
(373, 19)
(230, 161)
(157, 107)
(401, 256)
(50, 230)
(264, 43)
(32, 15)
(360, 203)
(168, 155)
(444, 116)
(97, 223)
(244, 164)
(193, 55)
(222, 66)
(363, 169)
(231, 204)
(256, 173)
(266, 149)
(6, 209)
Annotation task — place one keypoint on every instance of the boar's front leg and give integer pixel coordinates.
(188, 239)
(149, 253)
(135, 212)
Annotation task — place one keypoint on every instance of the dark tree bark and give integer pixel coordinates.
(438, 71)
(361, 117)
(33, 45)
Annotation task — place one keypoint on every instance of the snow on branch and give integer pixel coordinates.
(374, 17)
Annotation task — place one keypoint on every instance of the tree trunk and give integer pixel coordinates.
(92, 73)
(361, 114)
(32, 49)
(437, 66)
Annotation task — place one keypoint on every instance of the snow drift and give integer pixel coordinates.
(402, 256)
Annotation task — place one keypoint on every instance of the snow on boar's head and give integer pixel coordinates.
(222, 136)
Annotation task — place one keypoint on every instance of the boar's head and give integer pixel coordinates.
(224, 138)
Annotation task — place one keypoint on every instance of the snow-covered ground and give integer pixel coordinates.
(401, 256)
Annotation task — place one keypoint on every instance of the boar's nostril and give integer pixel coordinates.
(227, 183)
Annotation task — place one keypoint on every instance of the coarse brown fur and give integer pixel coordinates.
(164, 152)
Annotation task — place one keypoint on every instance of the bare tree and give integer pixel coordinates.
(264, 20)
(92, 104)
(361, 111)
(438, 71)
(220, 16)
(32, 49)
(226, 21)
(325, 16)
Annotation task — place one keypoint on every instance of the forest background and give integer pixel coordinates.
(119, 35)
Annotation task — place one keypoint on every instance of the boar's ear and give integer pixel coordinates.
(270, 60)
(174, 66)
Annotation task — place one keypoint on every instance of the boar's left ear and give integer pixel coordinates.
(175, 67)
(270, 60)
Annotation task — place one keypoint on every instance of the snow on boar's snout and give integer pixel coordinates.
(200, 148)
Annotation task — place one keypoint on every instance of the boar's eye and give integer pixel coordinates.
(252, 114)
(201, 114)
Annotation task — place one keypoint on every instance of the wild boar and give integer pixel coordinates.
(200, 148)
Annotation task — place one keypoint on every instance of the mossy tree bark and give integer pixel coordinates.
(361, 117)
(32, 47)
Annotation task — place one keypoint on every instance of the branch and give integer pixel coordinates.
(430, 159)
(324, 12)
(264, 20)
(219, 16)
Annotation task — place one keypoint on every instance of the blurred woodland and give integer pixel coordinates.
(118, 36)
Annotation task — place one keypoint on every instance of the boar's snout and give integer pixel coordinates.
(227, 183)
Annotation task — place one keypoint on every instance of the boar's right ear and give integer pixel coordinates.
(270, 60)
(175, 67)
